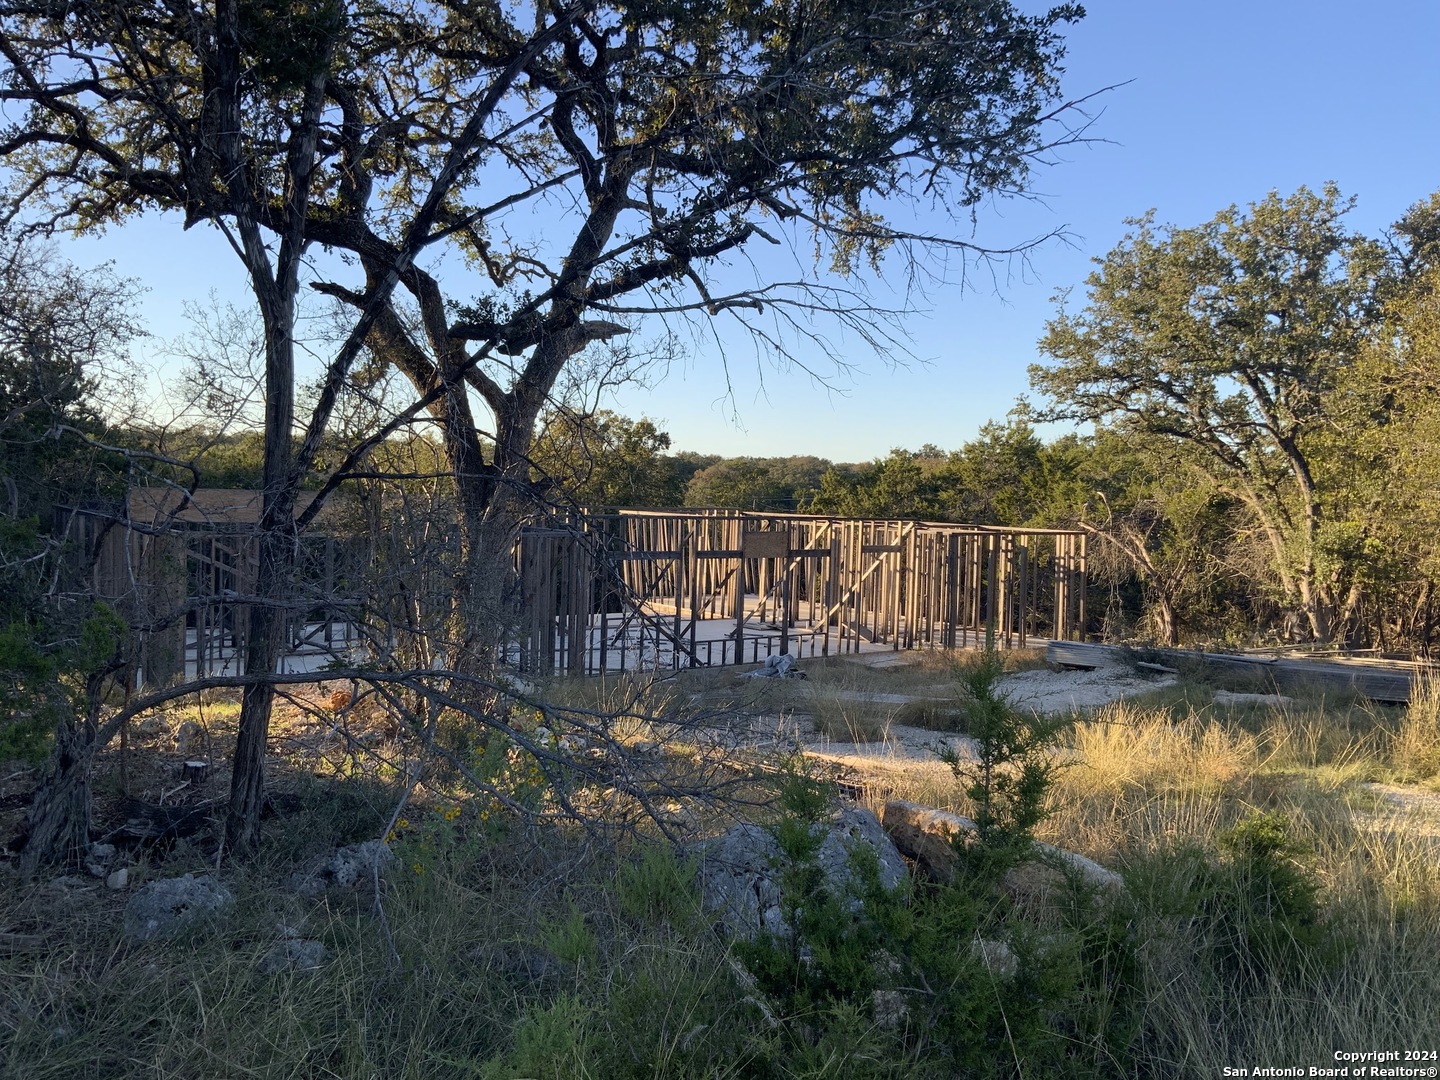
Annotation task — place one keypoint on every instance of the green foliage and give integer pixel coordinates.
(1278, 897)
(604, 459)
(569, 938)
(1000, 478)
(1232, 343)
(1105, 949)
(290, 41)
(506, 773)
(1011, 774)
(228, 461)
(1255, 912)
(57, 325)
(751, 483)
(28, 711)
(824, 962)
(43, 682)
(550, 1044)
(657, 887)
(998, 998)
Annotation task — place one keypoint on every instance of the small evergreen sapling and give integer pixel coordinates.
(1010, 776)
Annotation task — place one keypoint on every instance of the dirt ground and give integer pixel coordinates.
(177, 759)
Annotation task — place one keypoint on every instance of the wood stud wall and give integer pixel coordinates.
(187, 582)
(818, 586)
(630, 589)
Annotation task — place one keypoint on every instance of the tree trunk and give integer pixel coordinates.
(1317, 605)
(1427, 621)
(60, 812)
(264, 646)
(1162, 612)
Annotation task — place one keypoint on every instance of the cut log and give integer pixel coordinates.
(1379, 680)
(146, 822)
(927, 836)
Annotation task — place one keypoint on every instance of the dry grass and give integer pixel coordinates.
(852, 701)
(1416, 749)
(848, 699)
(1150, 789)
(848, 716)
(1148, 782)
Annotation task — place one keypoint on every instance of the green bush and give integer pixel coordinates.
(1010, 778)
(45, 661)
(1264, 904)
(551, 1043)
(658, 888)
(1246, 919)
(938, 980)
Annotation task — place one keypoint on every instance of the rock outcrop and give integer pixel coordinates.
(172, 906)
(929, 837)
(348, 868)
(740, 871)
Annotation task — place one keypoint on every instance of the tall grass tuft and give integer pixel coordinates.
(1416, 749)
(1129, 747)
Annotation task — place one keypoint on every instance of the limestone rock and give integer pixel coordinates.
(890, 1009)
(348, 868)
(188, 736)
(98, 858)
(525, 962)
(350, 865)
(299, 955)
(1088, 870)
(1033, 885)
(926, 835)
(740, 871)
(118, 880)
(1039, 883)
(999, 959)
(171, 906)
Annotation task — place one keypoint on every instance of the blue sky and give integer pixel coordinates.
(1224, 102)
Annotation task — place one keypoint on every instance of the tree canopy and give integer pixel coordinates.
(604, 459)
(1232, 339)
(589, 163)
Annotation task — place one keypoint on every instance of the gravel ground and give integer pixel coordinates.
(1043, 690)
(1048, 692)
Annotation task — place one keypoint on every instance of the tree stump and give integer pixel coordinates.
(194, 772)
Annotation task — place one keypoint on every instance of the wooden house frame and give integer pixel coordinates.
(180, 565)
(628, 589)
(614, 590)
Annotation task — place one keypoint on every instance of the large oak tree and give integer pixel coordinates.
(1232, 338)
(588, 163)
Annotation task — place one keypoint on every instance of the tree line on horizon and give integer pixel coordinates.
(1259, 398)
